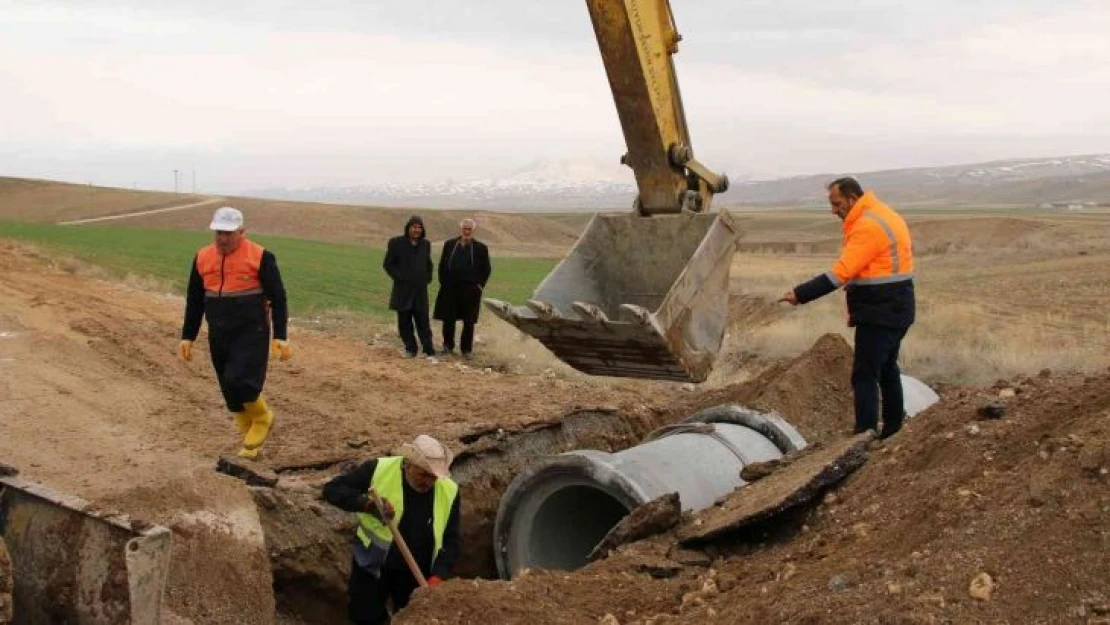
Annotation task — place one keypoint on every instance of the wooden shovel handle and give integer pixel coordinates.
(398, 540)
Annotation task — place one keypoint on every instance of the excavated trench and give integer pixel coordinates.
(309, 541)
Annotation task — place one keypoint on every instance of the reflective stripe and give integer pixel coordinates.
(881, 280)
(233, 293)
(834, 279)
(894, 264)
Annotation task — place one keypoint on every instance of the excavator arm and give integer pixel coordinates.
(641, 294)
(637, 39)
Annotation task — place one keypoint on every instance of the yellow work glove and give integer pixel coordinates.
(185, 350)
(283, 348)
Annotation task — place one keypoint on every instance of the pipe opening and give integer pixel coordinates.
(569, 524)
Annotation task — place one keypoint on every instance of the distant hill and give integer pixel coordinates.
(1029, 182)
(567, 185)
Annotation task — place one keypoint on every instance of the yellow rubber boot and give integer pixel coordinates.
(243, 422)
(261, 420)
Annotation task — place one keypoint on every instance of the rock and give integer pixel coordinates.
(972, 430)
(788, 571)
(981, 587)
(993, 410)
(1007, 393)
(608, 619)
(689, 557)
(249, 471)
(839, 582)
(7, 470)
(759, 470)
(659, 568)
(893, 588)
(654, 517)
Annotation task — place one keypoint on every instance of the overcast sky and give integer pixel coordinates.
(331, 92)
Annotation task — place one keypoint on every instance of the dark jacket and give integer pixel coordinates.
(409, 265)
(348, 491)
(463, 273)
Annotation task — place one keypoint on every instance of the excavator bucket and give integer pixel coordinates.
(640, 297)
(72, 564)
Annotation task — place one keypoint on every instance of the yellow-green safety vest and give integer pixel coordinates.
(387, 481)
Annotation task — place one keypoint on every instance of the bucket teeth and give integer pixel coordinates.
(542, 309)
(590, 311)
(502, 309)
(632, 313)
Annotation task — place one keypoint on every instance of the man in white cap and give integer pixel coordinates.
(418, 493)
(235, 285)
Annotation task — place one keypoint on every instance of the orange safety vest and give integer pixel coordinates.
(877, 246)
(233, 275)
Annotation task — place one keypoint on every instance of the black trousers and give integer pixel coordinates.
(467, 338)
(875, 368)
(406, 319)
(368, 594)
(239, 356)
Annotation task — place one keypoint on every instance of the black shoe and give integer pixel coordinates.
(410, 354)
(468, 355)
(446, 352)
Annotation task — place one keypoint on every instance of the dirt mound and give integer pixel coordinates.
(958, 518)
(813, 391)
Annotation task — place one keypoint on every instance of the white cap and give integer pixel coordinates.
(227, 219)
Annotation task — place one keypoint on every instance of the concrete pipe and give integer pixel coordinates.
(554, 513)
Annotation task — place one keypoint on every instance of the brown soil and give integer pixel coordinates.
(1020, 504)
(97, 404)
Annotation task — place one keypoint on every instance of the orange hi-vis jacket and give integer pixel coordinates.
(234, 275)
(877, 247)
(237, 293)
(875, 267)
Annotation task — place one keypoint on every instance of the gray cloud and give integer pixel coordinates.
(349, 92)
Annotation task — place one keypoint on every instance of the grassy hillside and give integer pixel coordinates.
(319, 276)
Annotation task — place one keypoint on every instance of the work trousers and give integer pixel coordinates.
(368, 595)
(466, 340)
(875, 368)
(406, 319)
(239, 355)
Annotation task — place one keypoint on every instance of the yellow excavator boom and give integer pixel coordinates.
(642, 294)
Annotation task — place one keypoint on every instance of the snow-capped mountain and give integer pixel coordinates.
(1020, 181)
(569, 185)
(541, 185)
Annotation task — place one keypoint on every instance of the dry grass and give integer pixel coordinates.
(982, 316)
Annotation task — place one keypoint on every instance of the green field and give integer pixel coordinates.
(319, 277)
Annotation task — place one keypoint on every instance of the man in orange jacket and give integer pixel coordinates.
(235, 284)
(876, 270)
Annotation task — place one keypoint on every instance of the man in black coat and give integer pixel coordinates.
(464, 269)
(408, 261)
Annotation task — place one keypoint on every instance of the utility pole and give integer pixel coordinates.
(175, 181)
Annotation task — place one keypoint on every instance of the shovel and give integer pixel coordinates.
(398, 540)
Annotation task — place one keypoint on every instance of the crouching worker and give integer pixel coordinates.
(418, 493)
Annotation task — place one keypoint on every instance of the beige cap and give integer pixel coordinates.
(428, 454)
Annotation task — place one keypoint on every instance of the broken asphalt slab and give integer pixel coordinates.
(791, 485)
